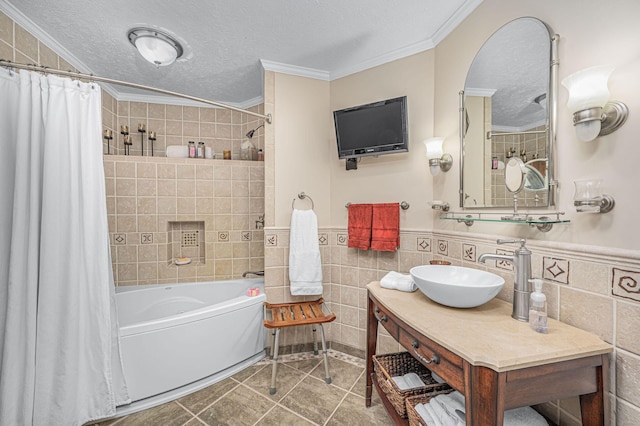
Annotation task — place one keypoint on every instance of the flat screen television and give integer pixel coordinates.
(372, 129)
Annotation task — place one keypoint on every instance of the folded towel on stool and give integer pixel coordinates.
(397, 281)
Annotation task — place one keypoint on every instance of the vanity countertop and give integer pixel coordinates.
(487, 335)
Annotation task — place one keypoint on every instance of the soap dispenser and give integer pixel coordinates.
(538, 308)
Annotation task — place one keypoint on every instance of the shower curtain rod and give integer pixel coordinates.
(91, 77)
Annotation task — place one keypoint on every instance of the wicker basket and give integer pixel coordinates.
(412, 401)
(398, 364)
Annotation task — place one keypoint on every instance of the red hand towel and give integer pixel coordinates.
(360, 226)
(385, 230)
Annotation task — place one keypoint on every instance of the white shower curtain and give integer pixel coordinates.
(58, 330)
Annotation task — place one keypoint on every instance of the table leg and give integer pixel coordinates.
(594, 407)
(372, 337)
(484, 396)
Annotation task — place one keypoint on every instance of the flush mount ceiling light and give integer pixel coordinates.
(157, 47)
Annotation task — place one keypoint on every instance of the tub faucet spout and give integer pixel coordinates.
(258, 273)
(521, 261)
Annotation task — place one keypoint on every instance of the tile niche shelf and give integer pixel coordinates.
(186, 239)
(544, 221)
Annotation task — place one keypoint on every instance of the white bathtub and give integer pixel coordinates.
(179, 338)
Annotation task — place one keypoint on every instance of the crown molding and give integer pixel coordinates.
(171, 100)
(481, 92)
(454, 20)
(294, 70)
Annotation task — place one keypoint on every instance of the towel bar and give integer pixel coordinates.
(403, 205)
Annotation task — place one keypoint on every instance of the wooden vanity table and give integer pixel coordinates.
(497, 362)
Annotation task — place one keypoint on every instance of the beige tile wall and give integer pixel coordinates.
(18, 45)
(590, 288)
(534, 145)
(218, 128)
(147, 197)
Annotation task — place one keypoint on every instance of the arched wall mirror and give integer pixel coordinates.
(507, 110)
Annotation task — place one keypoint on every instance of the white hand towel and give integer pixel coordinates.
(397, 281)
(305, 265)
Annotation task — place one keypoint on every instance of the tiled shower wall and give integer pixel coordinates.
(591, 288)
(150, 200)
(18, 45)
(534, 146)
(218, 128)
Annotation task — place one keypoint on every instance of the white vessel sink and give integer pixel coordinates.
(456, 286)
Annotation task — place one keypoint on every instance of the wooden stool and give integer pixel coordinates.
(278, 316)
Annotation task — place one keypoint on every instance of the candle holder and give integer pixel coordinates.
(127, 145)
(152, 139)
(142, 129)
(124, 131)
(108, 135)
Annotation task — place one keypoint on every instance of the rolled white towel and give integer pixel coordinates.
(452, 406)
(408, 381)
(397, 281)
(443, 415)
(413, 380)
(434, 415)
(437, 378)
(523, 416)
(421, 409)
(400, 382)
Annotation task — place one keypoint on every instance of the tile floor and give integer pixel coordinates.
(302, 398)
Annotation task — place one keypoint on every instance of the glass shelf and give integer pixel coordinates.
(544, 221)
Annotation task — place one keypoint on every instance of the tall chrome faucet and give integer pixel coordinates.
(521, 261)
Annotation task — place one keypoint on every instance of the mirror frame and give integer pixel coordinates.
(551, 137)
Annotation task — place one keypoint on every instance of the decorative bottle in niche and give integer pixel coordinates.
(248, 151)
(538, 308)
(200, 150)
(192, 149)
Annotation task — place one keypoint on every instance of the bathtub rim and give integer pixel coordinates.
(229, 305)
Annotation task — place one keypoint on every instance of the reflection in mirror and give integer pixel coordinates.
(507, 111)
(514, 175)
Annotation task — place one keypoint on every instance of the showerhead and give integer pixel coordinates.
(251, 132)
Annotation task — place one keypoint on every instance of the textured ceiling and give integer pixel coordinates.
(514, 65)
(226, 39)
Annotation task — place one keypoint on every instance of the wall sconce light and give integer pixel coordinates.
(593, 114)
(157, 47)
(589, 197)
(437, 159)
